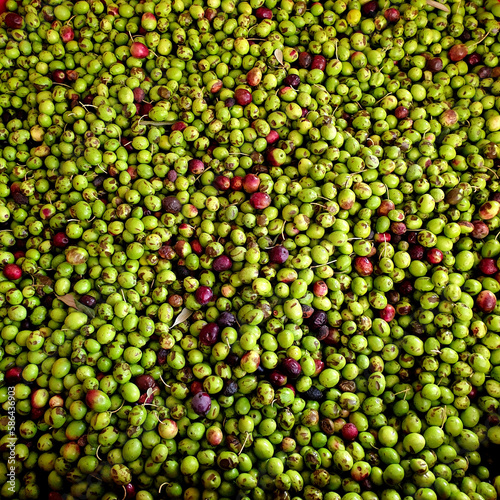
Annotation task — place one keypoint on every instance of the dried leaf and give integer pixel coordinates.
(70, 301)
(183, 316)
(278, 53)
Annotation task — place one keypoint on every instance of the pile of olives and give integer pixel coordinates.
(250, 249)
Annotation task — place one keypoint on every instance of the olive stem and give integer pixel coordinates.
(118, 409)
(325, 264)
(389, 93)
(494, 173)
(244, 443)
(162, 485)
(483, 38)
(400, 392)
(158, 418)
(164, 383)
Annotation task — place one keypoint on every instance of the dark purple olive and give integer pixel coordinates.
(98, 181)
(416, 252)
(171, 205)
(278, 255)
(405, 288)
(13, 21)
(473, 59)
(484, 72)
(145, 382)
(307, 311)
(277, 378)
(230, 387)
(182, 272)
(465, 37)
(26, 324)
(291, 367)
(370, 9)
(233, 359)
(412, 237)
(305, 60)
(317, 320)
(292, 80)
(435, 64)
(222, 263)
(20, 198)
(226, 319)
(209, 334)
(161, 356)
(313, 394)
(201, 403)
(322, 333)
(88, 300)
(203, 295)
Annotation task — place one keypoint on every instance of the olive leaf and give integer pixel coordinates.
(183, 316)
(70, 301)
(278, 53)
(439, 6)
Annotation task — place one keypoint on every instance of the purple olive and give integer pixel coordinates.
(222, 263)
(209, 334)
(317, 320)
(226, 319)
(278, 255)
(291, 367)
(204, 295)
(201, 403)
